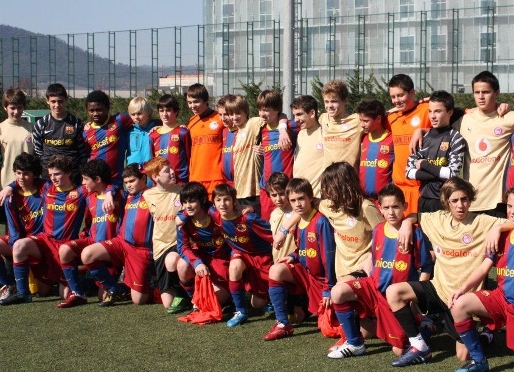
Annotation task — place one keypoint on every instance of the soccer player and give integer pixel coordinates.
(106, 136)
(99, 226)
(164, 204)
(132, 248)
(391, 262)
(441, 155)
(59, 133)
(309, 145)
(311, 268)
(172, 141)
(229, 138)
(458, 237)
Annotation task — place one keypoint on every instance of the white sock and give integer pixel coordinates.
(418, 342)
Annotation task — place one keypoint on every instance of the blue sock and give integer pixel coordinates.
(346, 317)
(278, 295)
(237, 292)
(469, 336)
(21, 275)
(100, 272)
(71, 273)
(4, 276)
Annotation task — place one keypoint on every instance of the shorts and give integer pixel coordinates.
(500, 312)
(165, 279)
(218, 268)
(137, 261)
(305, 283)
(429, 302)
(48, 268)
(256, 274)
(372, 303)
(78, 245)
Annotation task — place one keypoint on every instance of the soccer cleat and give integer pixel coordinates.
(339, 342)
(72, 300)
(472, 366)
(179, 305)
(110, 299)
(279, 331)
(237, 319)
(412, 356)
(486, 337)
(16, 298)
(347, 350)
(268, 308)
(6, 291)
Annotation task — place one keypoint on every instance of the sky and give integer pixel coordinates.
(57, 17)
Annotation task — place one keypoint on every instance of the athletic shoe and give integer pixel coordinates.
(339, 342)
(237, 319)
(486, 337)
(110, 299)
(72, 300)
(16, 298)
(412, 356)
(472, 366)
(6, 291)
(279, 331)
(347, 350)
(268, 308)
(179, 305)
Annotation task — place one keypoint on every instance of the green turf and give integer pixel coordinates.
(40, 337)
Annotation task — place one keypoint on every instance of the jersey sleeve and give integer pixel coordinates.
(260, 227)
(37, 136)
(15, 226)
(185, 246)
(423, 252)
(327, 245)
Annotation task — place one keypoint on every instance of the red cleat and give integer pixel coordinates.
(279, 331)
(72, 300)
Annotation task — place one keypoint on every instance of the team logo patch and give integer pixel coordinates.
(351, 222)
(319, 146)
(466, 238)
(112, 218)
(415, 121)
(243, 239)
(173, 150)
(112, 139)
(213, 125)
(311, 253)
(69, 129)
(356, 284)
(437, 250)
(73, 194)
(219, 241)
(444, 146)
(143, 205)
(378, 247)
(498, 131)
(71, 207)
(482, 146)
(112, 127)
(177, 203)
(382, 163)
(241, 227)
(400, 265)
(68, 142)
(345, 127)
(311, 237)
(243, 134)
(28, 139)
(174, 137)
(384, 149)
(288, 215)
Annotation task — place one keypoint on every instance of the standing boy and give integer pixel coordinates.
(229, 138)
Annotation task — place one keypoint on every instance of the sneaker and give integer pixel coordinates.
(16, 298)
(486, 337)
(472, 366)
(109, 299)
(347, 350)
(237, 319)
(413, 356)
(279, 331)
(6, 291)
(179, 305)
(268, 308)
(72, 300)
(339, 342)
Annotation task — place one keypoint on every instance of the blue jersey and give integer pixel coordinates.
(100, 225)
(137, 225)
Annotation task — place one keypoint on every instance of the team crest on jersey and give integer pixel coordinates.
(351, 222)
(73, 194)
(311, 237)
(444, 146)
(498, 131)
(400, 265)
(345, 127)
(319, 146)
(384, 149)
(241, 227)
(174, 137)
(288, 215)
(243, 239)
(243, 134)
(112, 126)
(213, 125)
(177, 203)
(467, 239)
(69, 129)
(382, 164)
(219, 241)
(403, 249)
(482, 146)
(28, 139)
(415, 121)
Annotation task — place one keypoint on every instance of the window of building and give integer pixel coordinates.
(266, 55)
(361, 7)
(487, 46)
(333, 8)
(437, 8)
(265, 16)
(438, 48)
(485, 5)
(406, 8)
(407, 49)
(228, 11)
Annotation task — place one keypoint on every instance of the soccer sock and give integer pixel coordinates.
(4, 276)
(237, 291)
(346, 317)
(189, 287)
(278, 295)
(21, 275)
(469, 335)
(408, 322)
(71, 273)
(100, 272)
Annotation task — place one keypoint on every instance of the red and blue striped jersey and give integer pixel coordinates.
(317, 250)
(195, 242)
(109, 142)
(137, 224)
(276, 159)
(247, 233)
(174, 145)
(505, 269)
(227, 157)
(394, 264)
(376, 163)
(100, 225)
(25, 212)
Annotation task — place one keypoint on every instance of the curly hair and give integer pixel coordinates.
(341, 186)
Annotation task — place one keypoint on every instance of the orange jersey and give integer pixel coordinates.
(206, 143)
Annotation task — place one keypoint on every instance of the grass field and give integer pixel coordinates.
(40, 337)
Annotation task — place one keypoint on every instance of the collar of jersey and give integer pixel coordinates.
(303, 224)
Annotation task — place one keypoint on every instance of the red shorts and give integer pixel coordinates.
(5, 239)
(500, 312)
(137, 262)
(78, 245)
(373, 303)
(218, 268)
(256, 274)
(267, 205)
(306, 283)
(48, 268)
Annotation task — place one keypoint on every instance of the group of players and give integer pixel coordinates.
(313, 214)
